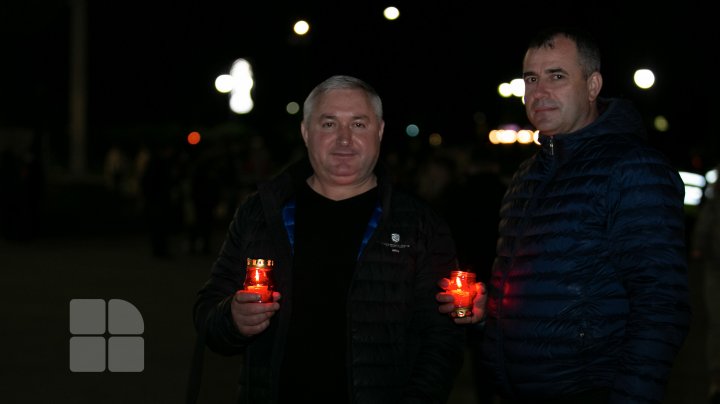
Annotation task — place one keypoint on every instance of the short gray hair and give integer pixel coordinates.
(341, 82)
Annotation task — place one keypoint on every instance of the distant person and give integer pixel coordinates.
(706, 250)
(22, 191)
(11, 187)
(588, 299)
(159, 184)
(115, 169)
(205, 195)
(354, 317)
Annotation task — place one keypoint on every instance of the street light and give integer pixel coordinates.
(239, 84)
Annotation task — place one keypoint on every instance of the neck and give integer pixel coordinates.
(340, 192)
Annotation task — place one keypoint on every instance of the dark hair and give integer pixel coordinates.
(587, 46)
(340, 82)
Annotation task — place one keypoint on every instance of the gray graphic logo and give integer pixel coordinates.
(395, 237)
(90, 351)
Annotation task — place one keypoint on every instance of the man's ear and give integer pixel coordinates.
(304, 132)
(594, 83)
(382, 129)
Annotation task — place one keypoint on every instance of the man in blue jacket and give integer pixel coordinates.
(588, 300)
(356, 265)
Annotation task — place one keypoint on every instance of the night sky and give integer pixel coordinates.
(151, 64)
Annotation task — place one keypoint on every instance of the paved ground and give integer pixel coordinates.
(41, 276)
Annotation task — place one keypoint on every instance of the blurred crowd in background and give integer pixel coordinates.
(182, 196)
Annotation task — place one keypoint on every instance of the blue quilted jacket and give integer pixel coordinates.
(589, 289)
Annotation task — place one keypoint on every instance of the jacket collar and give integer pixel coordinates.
(289, 181)
(617, 116)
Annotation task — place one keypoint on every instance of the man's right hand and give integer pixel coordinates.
(250, 316)
(445, 299)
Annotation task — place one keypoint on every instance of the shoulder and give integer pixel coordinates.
(636, 157)
(626, 153)
(251, 206)
(408, 208)
(403, 200)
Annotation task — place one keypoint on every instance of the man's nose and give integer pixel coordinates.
(344, 136)
(539, 89)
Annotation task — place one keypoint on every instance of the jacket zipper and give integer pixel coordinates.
(523, 227)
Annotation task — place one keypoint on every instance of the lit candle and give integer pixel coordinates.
(257, 279)
(462, 288)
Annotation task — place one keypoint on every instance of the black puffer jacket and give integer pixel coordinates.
(402, 348)
(589, 289)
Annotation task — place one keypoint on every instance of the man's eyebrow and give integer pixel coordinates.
(555, 70)
(353, 117)
(552, 70)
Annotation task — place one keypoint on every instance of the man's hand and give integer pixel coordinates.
(446, 303)
(250, 316)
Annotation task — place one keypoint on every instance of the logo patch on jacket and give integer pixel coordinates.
(394, 244)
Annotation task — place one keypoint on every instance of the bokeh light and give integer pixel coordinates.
(301, 27)
(292, 108)
(412, 130)
(391, 13)
(644, 78)
(193, 138)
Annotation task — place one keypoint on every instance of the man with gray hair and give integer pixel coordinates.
(353, 316)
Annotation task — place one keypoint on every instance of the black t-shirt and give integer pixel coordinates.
(328, 236)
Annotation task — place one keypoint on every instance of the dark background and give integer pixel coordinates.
(150, 69)
(151, 66)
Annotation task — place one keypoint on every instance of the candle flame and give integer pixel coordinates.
(458, 282)
(257, 276)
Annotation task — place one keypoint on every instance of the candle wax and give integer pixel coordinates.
(262, 290)
(463, 302)
(462, 298)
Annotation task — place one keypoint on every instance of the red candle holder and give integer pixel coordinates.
(462, 288)
(258, 280)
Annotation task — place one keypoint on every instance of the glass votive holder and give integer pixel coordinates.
(258, 279)
(462, 288)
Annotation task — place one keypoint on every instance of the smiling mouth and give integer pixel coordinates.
(544, 108)
(343, 156)
(543, 111)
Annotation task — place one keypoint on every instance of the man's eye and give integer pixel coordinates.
(530, 79)
(359, 124)
(558, 76)
(327, 124)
